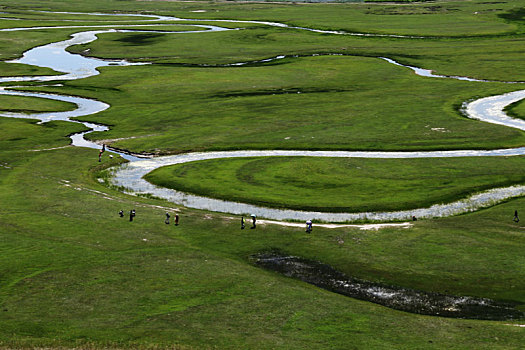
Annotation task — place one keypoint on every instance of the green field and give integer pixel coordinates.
(30, 105)
(340, 184)
(344, 103)
(75, 275)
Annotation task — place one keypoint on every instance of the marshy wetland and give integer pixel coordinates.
(408, 300)
(161, 83)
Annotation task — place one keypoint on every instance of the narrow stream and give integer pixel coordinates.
(73, 66)
(489, 109)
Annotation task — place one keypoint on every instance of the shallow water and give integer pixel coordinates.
(131, 176)
(428, 72)
(73, 66)
(489, 109)
(398, 298)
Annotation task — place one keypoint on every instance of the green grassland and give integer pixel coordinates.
(30, 136)
(517, 110)
(326, 102)
(8, 70)
(74, 274)
(447, 18)
(29, 105)
(339, 184)
(482, 58)
(73, 282)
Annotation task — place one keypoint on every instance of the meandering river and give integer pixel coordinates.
(73, 66)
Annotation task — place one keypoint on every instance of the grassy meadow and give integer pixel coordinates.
(340, 184)
(324, 102)
(22, 104)
(75, 275)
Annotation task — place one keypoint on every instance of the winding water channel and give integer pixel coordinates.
(129, 176)
(489, 109)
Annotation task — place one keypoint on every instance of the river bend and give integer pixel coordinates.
(129, 176)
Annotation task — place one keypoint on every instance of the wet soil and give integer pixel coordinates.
(409, 300)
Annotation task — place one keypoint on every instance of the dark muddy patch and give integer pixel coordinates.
(410, 10)
(409, 300)
(275, 61)
(140, 39)
(277, 92)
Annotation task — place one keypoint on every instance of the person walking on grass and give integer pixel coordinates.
(121, 213)
(308, 226)
(253, 220)
(242, 222)
(101, 151)
(516, 218)
(131, 214)
(167, 221)
(176, 220)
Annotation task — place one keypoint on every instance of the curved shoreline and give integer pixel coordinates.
(76, 67)
(130, 176)
(488, 109)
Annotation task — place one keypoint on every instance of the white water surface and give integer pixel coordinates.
(73, 66)
(131, 175)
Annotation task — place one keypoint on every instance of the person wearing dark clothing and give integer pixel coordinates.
(131, 215)
(167, 221)
(101, 151)
(516, 218)
(121, 213)
(309, 226)
(253, 221)
(176, 219)
(242, 222)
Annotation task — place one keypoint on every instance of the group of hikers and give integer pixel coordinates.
(132, 214)
(254, 220)
(175, 221)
